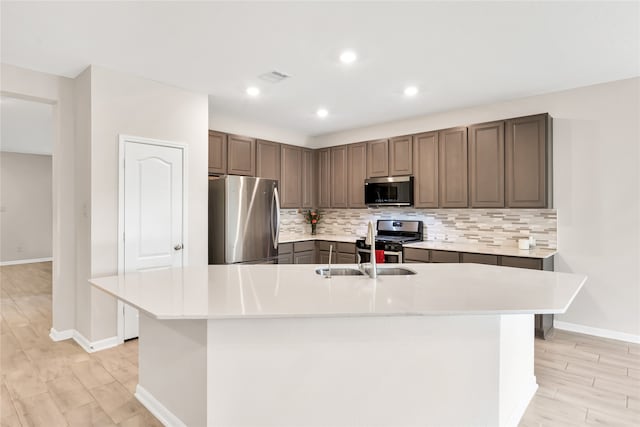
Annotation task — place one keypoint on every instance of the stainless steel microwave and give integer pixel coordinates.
(389, 191)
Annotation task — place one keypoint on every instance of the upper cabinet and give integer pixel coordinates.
(400, 156)
(452, 168)
(217, 152)
(268, 159)
(390, 157)
(356, 174)
(528, 162)
(378, 158)
(308, 178)
(324, 177)
(486, 165)
(425, 166)
(339, 176)
(291, 177)
(241, 155)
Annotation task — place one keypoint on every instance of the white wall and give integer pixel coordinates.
(596, 137)
(125, 104)
(25, 212)
(236, 125)
(57, 91)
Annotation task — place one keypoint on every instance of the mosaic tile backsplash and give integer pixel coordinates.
(493, 227)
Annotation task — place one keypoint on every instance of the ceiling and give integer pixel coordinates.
(458, 54)
(26, 126)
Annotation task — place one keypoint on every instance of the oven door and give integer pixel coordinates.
(390, 257)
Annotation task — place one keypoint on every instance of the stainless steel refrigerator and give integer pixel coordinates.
(244, 220)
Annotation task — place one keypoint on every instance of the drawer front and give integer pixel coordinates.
(530, 263)
(347, 248)
(323, 245)
(309, 245)
(416, 255)
(445, 256)
(285, 248)
(480, 258)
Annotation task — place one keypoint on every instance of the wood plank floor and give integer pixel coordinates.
(583, 380)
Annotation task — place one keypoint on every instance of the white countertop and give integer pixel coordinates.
(278, 291)
(483, 249)
(300, 237)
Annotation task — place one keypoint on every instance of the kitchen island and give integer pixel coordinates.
(279, 345)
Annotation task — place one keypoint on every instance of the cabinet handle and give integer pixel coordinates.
(178, 247)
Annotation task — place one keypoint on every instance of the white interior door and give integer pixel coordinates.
(153, 213)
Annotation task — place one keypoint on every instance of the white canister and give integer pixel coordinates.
(532, 241)
(523, 244)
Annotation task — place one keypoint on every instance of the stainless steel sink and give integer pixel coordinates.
(349, 271)
(393, 271)
(339, 271)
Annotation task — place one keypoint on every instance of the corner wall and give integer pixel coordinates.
(58, 91)
(596, 136)
(122, 104)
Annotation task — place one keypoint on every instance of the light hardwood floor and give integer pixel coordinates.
(583, 380)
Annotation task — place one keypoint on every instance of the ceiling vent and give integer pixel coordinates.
(274, 76)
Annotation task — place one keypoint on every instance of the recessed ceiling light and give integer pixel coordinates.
(348, 56)
(410, 91)
(322, 113)
(253, 91)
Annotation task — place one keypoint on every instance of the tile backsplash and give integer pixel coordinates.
(493, 227)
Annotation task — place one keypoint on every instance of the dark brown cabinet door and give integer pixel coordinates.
(356, 174)
(217, 152)
(241, 155)
(308, 173)
(324, 178)
(400, 156)
(339, 176)
(378, 158)
(308, 257)
(425, 159)
(343, 258)
(291, 176)
(452, 151)
(268, 159)
(527, 162)
(486, 165)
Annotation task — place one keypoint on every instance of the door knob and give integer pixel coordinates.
(178, 247)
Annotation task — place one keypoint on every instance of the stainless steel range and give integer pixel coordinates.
(391, 234)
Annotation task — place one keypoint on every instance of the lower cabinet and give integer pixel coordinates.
(285, 253)
(304, 252)
(543, 322)
(343, 253)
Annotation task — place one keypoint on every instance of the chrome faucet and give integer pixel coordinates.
(371, 241)
(328, 276)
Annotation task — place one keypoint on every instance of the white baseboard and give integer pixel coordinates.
(60, 335)
(93, 346)
(165, 416)
(518, 412)
(25, 261)
(88, 346)
(598, 332)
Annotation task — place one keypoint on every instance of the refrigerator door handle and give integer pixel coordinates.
(276, 234)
